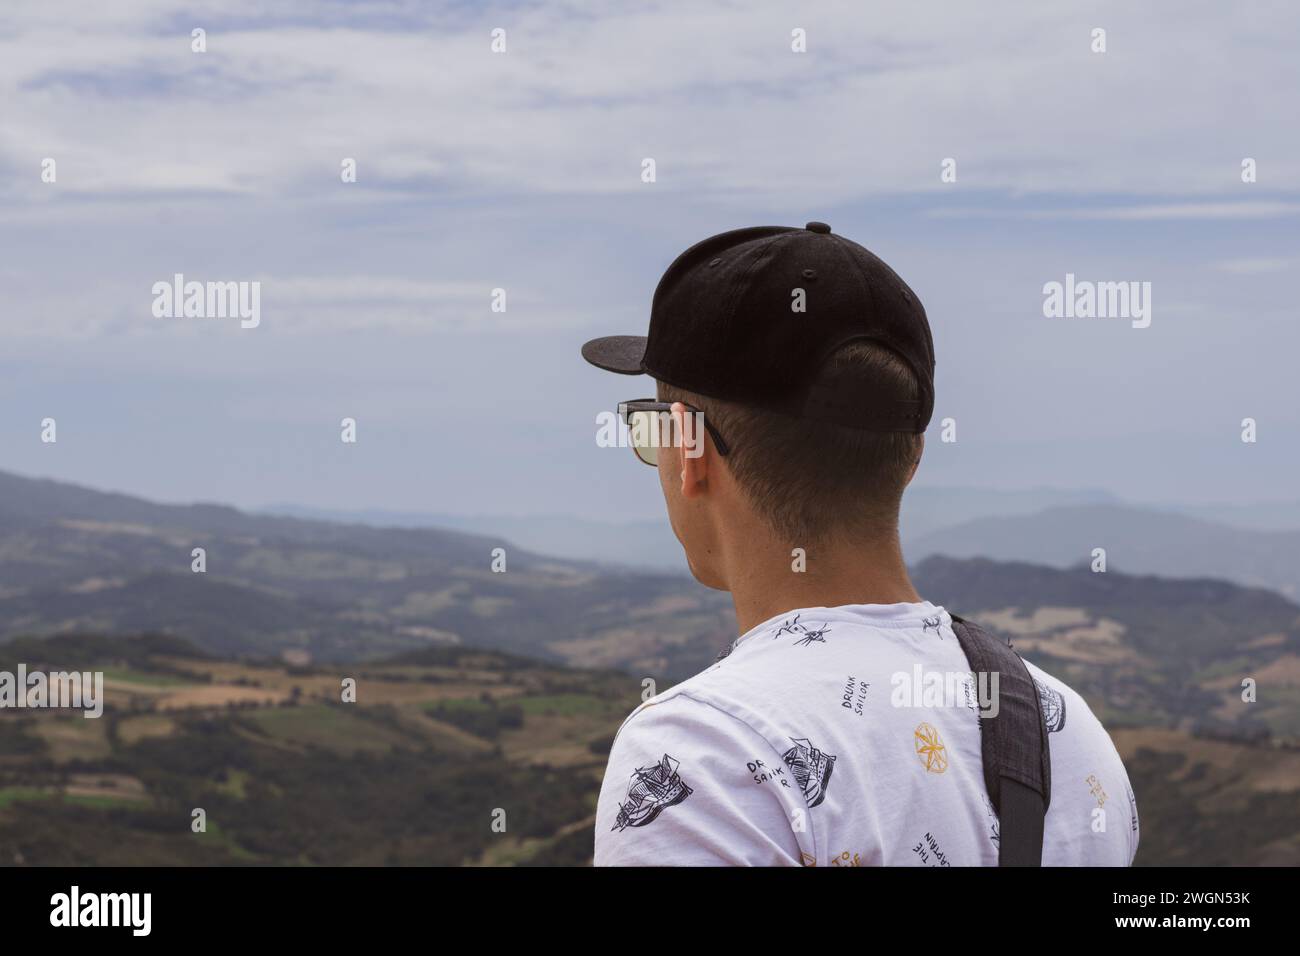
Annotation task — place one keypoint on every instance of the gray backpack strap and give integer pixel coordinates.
(1017, 761)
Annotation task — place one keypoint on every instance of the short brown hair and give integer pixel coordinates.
(810, 478)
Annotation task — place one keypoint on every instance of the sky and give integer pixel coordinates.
(522, 170)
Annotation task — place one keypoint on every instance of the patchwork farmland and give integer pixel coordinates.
(436, 746)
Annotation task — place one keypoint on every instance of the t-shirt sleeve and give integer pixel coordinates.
(688, 784)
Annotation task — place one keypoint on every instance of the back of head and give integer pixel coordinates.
(812, 480)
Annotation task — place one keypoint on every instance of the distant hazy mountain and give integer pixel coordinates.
(73, 559)
(1259, 516)
(651, 544)
(1137, 541)
(927, 508)
(1043, 526)
(644, 544)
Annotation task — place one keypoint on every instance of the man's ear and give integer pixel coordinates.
(920, 450)
(692, 450)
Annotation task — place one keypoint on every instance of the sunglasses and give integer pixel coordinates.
(650, 427)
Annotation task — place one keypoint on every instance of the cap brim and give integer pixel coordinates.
(617, 353)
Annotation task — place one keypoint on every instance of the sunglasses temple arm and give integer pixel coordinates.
(717, 439)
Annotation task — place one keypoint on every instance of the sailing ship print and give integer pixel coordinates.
(1053, 706)
(653, 790)
(811, 769)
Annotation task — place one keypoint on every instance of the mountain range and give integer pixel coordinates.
(77, 560)
(484, 682)
(73, 560)
(1257, 545)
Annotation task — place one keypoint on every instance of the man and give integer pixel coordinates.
(795, 382)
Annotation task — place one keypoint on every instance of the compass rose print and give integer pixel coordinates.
(930, 748)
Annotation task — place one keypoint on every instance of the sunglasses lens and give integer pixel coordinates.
(643, 432)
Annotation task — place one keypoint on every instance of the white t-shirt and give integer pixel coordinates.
(846, 736)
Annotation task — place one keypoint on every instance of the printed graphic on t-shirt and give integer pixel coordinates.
(930, 854)
(653, 789)
(929, 747)
(814, 636)
(811, 769)
(853, 697)
(970, 695)
(995, 826)
(808, 633)
(1095, 788)
(762, 773)
(1053, 704)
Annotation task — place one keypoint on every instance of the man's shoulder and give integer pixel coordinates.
(708, 698)
(684, 785)
(738, 710)
(791, 671)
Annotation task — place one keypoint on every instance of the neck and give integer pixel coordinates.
(860, 571)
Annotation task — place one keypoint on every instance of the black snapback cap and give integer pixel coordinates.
(723, 325)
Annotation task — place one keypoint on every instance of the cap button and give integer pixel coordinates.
(818, 227)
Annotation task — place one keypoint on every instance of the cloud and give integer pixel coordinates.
(1147, 212)
(289, 304)
(1257, 266)
(522, 171)
(587, 90)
